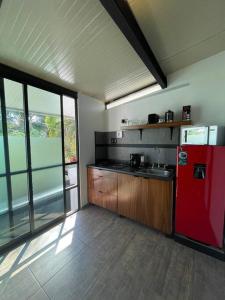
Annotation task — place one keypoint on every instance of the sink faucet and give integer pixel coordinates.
(158, 156)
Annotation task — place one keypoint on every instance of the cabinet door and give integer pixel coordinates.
(156, 205)
(129, 194)
(109, 190)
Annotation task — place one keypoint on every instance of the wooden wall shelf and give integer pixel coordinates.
(157, 125)
(170, 125)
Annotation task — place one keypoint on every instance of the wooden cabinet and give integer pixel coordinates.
(146, 200)
(102, 188)
(129, 193)
(155, 207)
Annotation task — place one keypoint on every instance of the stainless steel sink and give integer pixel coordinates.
(157, 172)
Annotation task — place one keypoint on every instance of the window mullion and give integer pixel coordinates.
(6, 149)
(63, 152)
(78, 150)
(28, 156)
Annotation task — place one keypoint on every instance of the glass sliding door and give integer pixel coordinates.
(38, 159)
(70, 154)
(46, 155)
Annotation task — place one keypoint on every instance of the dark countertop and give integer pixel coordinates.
(126, 169)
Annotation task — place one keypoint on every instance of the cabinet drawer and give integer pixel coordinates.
(98, 173)
(105, 181)
(102, 188)
(95, 173)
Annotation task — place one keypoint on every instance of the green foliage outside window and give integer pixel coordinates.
(46, 126)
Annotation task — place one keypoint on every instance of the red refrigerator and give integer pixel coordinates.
(200, 195)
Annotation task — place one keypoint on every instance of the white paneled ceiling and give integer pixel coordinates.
(76, 44)
(181, 32)
(73, 43)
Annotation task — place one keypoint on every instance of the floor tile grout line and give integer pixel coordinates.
(38, 283)
(130, 240)
(75, 255)
(114, 261)
(85, 244)
(27, 243)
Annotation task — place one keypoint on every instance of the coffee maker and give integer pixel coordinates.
(136, 160)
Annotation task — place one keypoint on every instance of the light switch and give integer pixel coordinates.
(119, 134)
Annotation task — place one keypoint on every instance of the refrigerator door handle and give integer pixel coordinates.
(203, 174)
(185, 136)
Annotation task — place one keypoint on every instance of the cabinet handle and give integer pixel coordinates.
(100, 192)
(100, 176)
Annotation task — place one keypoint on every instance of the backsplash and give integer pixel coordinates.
(152, 141)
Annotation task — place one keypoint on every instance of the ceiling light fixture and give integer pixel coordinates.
(134, 96)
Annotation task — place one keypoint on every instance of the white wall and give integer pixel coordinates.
(202, 85)
(91, 119)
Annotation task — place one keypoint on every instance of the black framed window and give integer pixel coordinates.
(39, 161)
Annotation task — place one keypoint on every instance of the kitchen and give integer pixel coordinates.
(170, 188)
(135, 207)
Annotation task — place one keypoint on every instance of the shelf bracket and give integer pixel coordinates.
(141, 131)
(171, 132)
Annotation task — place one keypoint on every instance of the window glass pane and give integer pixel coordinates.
(18, 223)
(15, 124)
(19, 190)
(3, 195)
(72, 200)
(69, 129)
(4, 217)
(48, 195)
(20, 204)
(71, 175)
(45, 127)
(2, 153)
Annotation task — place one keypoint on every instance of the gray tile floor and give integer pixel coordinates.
(97, 255)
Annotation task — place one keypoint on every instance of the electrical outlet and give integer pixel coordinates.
(113, 141)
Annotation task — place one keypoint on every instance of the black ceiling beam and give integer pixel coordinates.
(122, 15)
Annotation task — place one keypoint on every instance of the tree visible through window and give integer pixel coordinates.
(69, 140)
